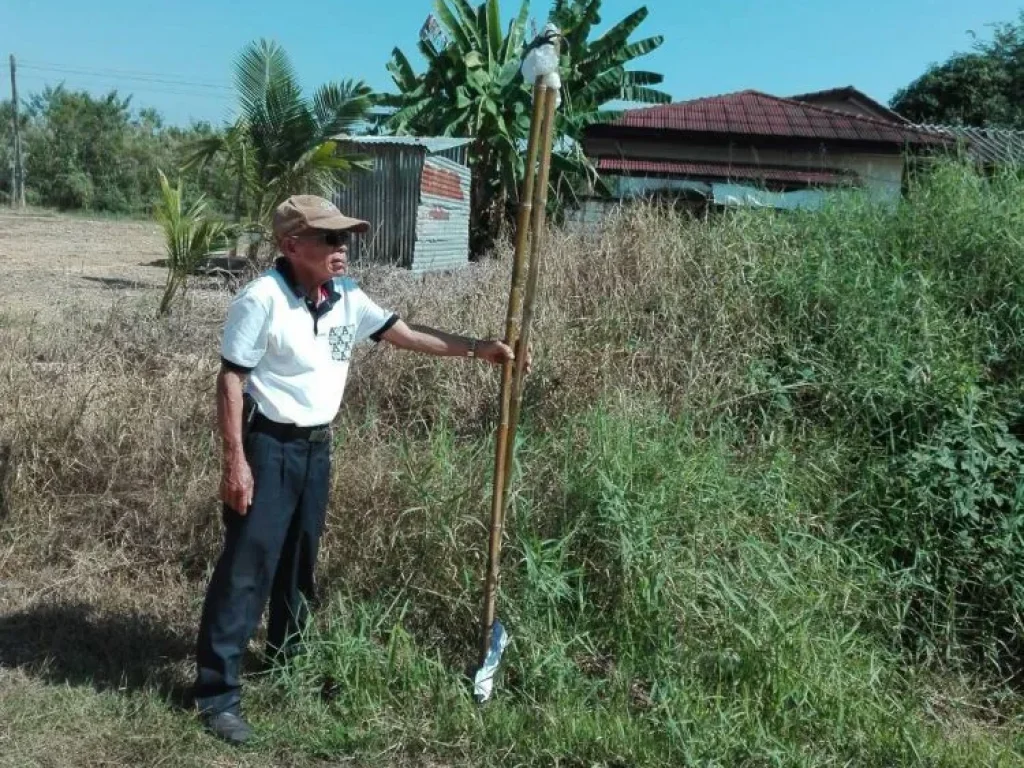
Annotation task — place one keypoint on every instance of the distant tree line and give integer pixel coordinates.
(99, 153)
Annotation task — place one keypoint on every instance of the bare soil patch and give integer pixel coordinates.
(56, 260)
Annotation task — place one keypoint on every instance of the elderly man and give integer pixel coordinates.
(285, 355)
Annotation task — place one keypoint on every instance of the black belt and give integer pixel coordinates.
(318, 434)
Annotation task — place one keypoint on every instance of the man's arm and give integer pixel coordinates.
(236, 483)
(420, 338)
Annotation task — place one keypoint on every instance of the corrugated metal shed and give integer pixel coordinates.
(434, 145)
(442, 220)
(416, 199)
(988, 146)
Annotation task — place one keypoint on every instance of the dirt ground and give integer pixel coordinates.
(53, 259)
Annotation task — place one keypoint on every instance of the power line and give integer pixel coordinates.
(222, 97)
(123, 74)
(86, 73)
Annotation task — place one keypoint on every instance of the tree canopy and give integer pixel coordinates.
(99, 152)
(984, 87)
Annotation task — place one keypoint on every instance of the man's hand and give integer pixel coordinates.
(497, 352)
(236, 483)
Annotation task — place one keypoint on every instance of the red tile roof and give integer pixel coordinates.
(816, 177)
(752, 113)
(850, 93)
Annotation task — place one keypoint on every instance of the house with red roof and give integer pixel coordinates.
(990, 149)
(752, 148)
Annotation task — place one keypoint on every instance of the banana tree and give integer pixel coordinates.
(281, 144)
(471, 87)
(594, 74)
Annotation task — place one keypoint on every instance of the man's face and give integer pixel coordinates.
(319, 254)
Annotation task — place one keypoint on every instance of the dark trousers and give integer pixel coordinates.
(269, 552)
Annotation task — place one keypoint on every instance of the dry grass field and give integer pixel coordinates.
(69, 620)
(117, 525)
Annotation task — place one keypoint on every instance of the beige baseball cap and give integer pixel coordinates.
(302, 212)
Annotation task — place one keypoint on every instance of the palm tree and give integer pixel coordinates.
(471, 87)
(189, 236)
(281, 144)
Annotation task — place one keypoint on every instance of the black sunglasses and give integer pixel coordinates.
(333, 238)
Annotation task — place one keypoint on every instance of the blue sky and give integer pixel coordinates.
(180, 54)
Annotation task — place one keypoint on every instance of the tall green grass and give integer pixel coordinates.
(671, 603)
(900, 333)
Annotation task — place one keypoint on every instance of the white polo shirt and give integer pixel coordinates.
(297, 354)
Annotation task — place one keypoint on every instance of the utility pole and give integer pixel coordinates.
(18, 171)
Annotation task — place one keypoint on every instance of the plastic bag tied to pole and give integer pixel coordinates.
(483, 680)
(542, 62)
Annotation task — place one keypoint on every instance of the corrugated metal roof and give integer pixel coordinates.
(984, 145)
(752, 113)
(822, 177)
(432, 144)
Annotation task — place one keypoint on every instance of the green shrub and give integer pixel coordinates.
(956, 521)
(72, 190)
(899, 331)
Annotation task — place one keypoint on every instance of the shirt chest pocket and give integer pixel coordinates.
(340, 338)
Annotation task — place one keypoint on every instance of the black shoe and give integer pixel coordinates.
(229, 727)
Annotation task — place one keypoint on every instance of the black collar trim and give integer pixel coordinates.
(284, 267)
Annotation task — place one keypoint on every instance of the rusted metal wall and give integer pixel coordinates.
(442, 220)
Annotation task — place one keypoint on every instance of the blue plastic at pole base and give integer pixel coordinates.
(483, 680)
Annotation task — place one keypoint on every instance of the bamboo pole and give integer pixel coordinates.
(511, 337)
(540, 200)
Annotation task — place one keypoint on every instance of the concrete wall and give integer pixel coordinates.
(592, 212)
(881, 174)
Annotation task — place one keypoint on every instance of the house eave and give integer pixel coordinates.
(607, 131)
